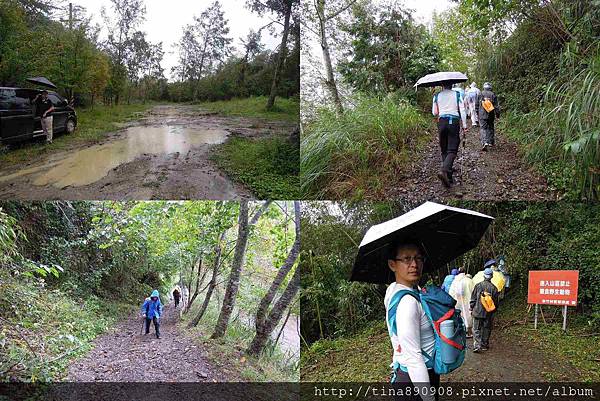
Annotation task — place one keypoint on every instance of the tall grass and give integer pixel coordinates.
(565, 130)
(358, 154)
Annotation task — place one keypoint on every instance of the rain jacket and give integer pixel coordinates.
(481, 112)
(152, 308)
(478, 311)
(461, 290)
(448, 282)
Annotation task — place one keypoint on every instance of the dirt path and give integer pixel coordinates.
(498, 174)
(124, 355)
(508, 360)
(164, 155)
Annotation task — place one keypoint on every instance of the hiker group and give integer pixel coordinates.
(452, 106)
(478, 298)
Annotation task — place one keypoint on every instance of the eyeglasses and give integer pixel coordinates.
(409, 259)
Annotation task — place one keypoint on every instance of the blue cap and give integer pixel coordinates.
(454, 272)
(154, 294)
(488, 272)
(489, 263)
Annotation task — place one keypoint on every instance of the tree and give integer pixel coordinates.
(236, 265)
(326, 11)
(384, 41)
(203, 44)
(283, 9)
(264, 331)
(129, 15)
(261, 312)
(213, 280)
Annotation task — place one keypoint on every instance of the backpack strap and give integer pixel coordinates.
(393, 307)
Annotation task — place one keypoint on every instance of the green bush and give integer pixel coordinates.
(356, 154)
(269, 166)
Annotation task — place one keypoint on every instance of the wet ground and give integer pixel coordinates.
(125, 355)
(498, 174)
(164, 155)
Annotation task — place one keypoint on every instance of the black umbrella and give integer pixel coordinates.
(439, 78)
(444, 232)
(42, 81)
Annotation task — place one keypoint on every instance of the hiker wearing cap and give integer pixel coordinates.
(43, 110)
(488, 110)
(484, 302)
(151, 311)
(449, 108)
(449, 279)
(471, 99)
(414, 335)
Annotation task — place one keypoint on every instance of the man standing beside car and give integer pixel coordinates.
(44, 109)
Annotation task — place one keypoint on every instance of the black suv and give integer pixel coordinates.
(17, 122)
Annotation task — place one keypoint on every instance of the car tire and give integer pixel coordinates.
(70, 126)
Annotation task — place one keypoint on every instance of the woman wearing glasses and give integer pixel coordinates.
(414, 335)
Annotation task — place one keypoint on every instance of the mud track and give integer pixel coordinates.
(499, 174)
(164, 155)
(125, 355)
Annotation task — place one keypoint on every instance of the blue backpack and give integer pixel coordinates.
(449, 350)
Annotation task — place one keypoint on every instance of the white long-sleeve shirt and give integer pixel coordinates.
(446, 105)
(414, 333)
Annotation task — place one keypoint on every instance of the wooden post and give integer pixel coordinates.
(565, 318)
(535, 317)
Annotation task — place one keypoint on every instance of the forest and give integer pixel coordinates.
(343, 322)
(73, 273)
(47, 38)
(365, 128)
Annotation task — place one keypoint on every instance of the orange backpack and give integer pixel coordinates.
(487, 302)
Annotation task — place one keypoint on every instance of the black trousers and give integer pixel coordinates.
(176, 301)
(449, 135)
(402, 381)
(156, 325)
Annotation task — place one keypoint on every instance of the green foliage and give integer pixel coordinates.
(546, 72)
(358, 153)
(268, 166)
(254, 107)
(565, 130)
(388, 50)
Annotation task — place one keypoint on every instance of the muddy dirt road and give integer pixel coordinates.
(498, 174)
(164, 155)
(124, 355)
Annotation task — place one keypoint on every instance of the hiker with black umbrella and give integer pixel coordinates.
(426, 331)
(449, 108)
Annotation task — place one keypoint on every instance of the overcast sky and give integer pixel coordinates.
(165, 20)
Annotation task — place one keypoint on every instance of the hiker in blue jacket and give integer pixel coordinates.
(151, 311)
(449, 279)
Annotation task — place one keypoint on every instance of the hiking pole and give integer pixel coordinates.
(143, 322)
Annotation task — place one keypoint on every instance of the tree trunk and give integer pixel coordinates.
(236, 269)
(282, 55)
(213, 282)
(265, 303)
(265, 330)
(330, 82)
(195, 294)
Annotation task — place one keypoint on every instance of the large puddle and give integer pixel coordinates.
(89, 165)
